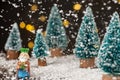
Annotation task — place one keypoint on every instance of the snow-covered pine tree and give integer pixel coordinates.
(40, 49)
(87, 41)
(109, 54)
(13, 43)
(55, 34)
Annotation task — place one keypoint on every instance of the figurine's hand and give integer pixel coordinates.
(18, 67)
(26, 65)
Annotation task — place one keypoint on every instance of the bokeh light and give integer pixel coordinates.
(118, 1)
(30, 44)
(34, 7)
(77, 6)
(66, 23)
(30, 27)
(22, 25)
(42, 18)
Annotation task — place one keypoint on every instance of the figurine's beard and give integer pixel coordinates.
(22, 59)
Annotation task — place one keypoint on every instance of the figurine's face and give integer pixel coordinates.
(23, 57)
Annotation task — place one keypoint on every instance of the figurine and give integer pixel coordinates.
(23, 65)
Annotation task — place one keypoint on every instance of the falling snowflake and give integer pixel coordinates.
(104, 4)
(102, 8)
(61, 11)
(1, 16)
(115, 1)
(1, 27)
(75, 15)
(108, 8)
(18, 14)
(29, 15)
(73, 36)
(13, 4)
(6, 29)
(90, 4)
(109, 2)
(39, 2)
(19, 0)
(3, 0)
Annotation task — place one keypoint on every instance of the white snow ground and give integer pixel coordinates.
(62, 68)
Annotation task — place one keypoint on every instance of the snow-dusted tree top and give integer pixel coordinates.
(56, 35)
(39, 30)
(14, 40)
(40, 48)
(87, 41)
(109, 53)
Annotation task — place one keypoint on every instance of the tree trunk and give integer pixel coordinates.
(110, 77)
(87, 63)
(42, 62)
(56, 52)
(12, 54)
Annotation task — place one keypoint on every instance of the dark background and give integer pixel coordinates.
(102, 10)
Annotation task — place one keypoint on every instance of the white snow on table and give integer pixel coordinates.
(62, 68)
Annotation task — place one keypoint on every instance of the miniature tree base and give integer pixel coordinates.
(42, 62)
(87, 63)
(57, 52)
(12, 54)
(110, 77)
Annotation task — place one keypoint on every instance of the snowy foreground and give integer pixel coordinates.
(63, 68)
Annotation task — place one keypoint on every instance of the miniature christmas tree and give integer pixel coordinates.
(13, 42)
(109, 54)
(56, 35)
(40, 48)
(87, 41)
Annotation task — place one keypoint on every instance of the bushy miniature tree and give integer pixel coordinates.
(56, 35)
(40, 48)
(14, 40)
(109, 54)
(87, 41)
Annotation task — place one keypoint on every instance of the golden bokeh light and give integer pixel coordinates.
(34, 7)
(118, 1)
(30, 44)
(30, 27)
(42, 18)
(77, 6)
(22, 25)
(66, 23)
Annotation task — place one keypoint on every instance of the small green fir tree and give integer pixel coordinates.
(40, 48)
(56, 35)
(14, 40)
(87, 41)
(109, 54)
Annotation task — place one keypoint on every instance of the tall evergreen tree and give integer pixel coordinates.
(109, 54)
(14, 40)
(56, 35)
(40, 48)
(87, 41)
